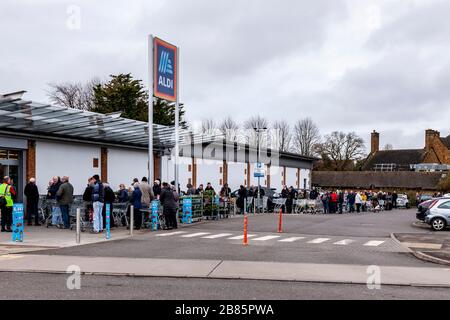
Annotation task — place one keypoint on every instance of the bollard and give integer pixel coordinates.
(131, 220)
(245, 205)
(245, 240)
(78, 234)
(280, 222)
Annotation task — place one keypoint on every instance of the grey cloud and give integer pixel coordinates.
(423, 25)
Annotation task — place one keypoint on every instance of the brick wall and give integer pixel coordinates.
(31, 160)
(437, 151)
(104, 164)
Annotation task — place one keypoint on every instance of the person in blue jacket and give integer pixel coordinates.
(136, 198)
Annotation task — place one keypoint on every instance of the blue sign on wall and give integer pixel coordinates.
(164, 70)
(17, 227)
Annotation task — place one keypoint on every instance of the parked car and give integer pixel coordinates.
(438, 214)
(424, 197)
(422, 209)
(268, 192)
(402, 201)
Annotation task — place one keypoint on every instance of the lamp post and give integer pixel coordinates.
(258, 131)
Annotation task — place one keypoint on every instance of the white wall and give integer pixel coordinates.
(63, 158)
(276, 179)
(253, 180)
(236, 175)
(126, 164)
(304, 174)
(168, 169)
(291, 177)
(209, 171)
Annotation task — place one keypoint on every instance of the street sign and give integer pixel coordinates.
(259, 170)
(164, 70)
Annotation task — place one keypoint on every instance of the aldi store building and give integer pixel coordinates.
(41, 141)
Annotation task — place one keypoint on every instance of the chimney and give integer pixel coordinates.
(374, 142)
(429, 137)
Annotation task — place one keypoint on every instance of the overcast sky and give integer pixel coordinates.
(350, 65)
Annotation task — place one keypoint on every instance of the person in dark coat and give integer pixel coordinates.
(340, 202)
(136, 201)
(240, 201)
(32, 193)
(53, 188)
(157, 188)
(87, 198)
(351, 198)
(110, 198)
(394, 199)
(170, 206)
(199, 190)
(122, 194)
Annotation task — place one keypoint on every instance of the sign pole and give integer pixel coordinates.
(177, 119)
(150, 110)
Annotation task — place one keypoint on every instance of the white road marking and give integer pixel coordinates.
(319, 240)
(292, 239)
(344, 242)
(266, 238)
(220, 235)
(373, 243)
(192, 235)
(242, 237)
(170, 234)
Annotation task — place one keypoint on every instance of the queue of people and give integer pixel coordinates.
(338, 201)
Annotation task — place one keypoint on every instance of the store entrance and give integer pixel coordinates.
(10, 161)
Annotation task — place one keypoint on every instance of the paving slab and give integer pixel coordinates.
(432, 247)
(217, 269)
(40, 238)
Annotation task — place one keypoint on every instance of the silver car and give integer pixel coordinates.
(438, 214)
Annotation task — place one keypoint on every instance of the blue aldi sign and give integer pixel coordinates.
(164, 70)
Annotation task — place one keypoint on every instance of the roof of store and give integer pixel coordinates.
(29, 117)
(22, 117)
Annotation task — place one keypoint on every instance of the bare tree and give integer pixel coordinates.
(280, 136)
(229, 128)
(250, 133)
(341, 150)
(73, 95)
(388, 146)
(209, 127)
(306, 136)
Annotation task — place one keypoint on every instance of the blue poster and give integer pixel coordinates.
(108, 221)
(155, 209)
(165, 69)
(17, 226)
(187, 211)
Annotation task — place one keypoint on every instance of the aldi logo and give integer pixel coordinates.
(165, 70)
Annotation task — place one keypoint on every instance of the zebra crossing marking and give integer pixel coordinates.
(344, 242)
(198, 234)
(220, 235)
(170, 234)
(291, 239)
(373, 243)
(242, 237)
(319, 240)
(265, 238)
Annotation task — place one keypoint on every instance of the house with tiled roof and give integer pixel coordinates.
(435, 156)
(402, 169)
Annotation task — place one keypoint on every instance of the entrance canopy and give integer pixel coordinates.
(21, 116)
